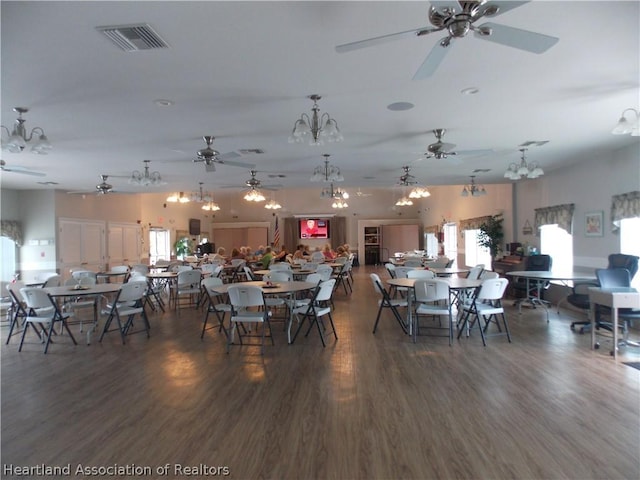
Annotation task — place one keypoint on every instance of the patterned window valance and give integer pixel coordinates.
(432, 229)
(562, 215)
(626, 205)
(473, 223)
(11, 229)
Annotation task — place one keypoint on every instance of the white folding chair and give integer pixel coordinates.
(42, 310)
(188, 287)
(318, 307)
(432, 298)
(487, 304)
(128, 303)
(214, 305)
(248, 306)
(418, 273)
(387, 302)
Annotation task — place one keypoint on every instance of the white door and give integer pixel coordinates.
(81, 244)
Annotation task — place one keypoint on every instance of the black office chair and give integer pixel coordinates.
(612, 278)
(579, 296)
(533, 263)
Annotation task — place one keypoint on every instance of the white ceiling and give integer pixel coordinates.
(241, 71)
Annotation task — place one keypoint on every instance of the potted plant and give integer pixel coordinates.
(492, 235)
(182, 247)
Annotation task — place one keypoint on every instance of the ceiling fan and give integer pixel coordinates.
(17, 169)
(406, 179)
(101, 189)
(359, 193)
(458, 18)
(441, 150)
(210, 157)
(254, 184)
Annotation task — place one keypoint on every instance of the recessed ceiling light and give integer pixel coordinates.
(400, 106)
(162, 102)
(469, 91)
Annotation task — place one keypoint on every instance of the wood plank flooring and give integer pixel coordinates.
(365, 407)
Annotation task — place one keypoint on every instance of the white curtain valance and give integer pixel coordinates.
(626, 205)
(432, 229)
(11, 229)
(561, 215)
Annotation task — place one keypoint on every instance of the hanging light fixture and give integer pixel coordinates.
(339, 203)
(178, 197)
(625, 127)
(200, 196)
(317, 128)
(327, 173)
(17, 139)
(404, 202)
(211, 206)
(254, 195)
(272, 205)
(531, 170)
(417, 191)
(473, 189)
(145, 178)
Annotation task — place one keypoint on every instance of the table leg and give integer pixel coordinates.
(614, 317)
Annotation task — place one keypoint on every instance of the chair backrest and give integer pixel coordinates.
(249, 273)
(299, 261)
(35, 297)
(189, 277)
(236, 262)
(245, 296)
(492, 289)
(488, 274)
(340, 260)
(137, 277)
(613, 277)
(279, 276)
(377, 283)
(14, 289)
(621, 260)
(325, 290)
(211, 282)
(280, 266)
(475, 272)
(120, 268)
(317, 257)
(53, 281)
(182, 268)
(418, 273)
(413, 262)
(309, 267)
(314, 278)
(426, 290)
(83, 273)
(324, 271)
(402, 272)
(391, 268)
(131, 291)
(540, 263)
(140, 268)
(440, 262)
(207, 268)
(69, 282)
(218, 271)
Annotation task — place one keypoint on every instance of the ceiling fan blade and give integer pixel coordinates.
(347, 47)
(433, 60)
(231, 163)
(517, 38)
(505, 6)
(440, 5)
(445, 147)
(210, 167)
(23, 171)
(475, 153)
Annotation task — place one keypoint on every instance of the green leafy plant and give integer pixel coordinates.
(492, 235)
(182, 247)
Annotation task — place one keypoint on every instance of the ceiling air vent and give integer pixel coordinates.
(132, 38)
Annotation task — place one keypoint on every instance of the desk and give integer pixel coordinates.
(615, 298)
(542, 276)
(280, 288)
(455, 285)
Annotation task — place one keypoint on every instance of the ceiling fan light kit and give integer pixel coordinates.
(327, 173)
(625, 127)
(473, 189)
(317, 128)
(272, 205)
(17, 139)
(524, 169)
(178, 197)
(254, 195)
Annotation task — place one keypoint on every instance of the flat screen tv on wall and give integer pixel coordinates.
(194, 226)
(313, 228)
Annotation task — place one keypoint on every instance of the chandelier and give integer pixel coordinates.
(145, 179)
(211, 206)
(17, 139)
(404, 202)
(473, 189)
(625, 127)
(254, 195)
(531, 170)
(419, 192)
(178, 197)
(406, 180)
(317, 128)
(339, 203)
(326, 172)
(330, 192)
(200, 196)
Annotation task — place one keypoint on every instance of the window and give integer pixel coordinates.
(474, 254)
(159, 245)
(558, 243)
(451, 242)
(8, 256)
(629, 244)
(431, 244)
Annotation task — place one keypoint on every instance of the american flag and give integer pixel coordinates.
(276, 234)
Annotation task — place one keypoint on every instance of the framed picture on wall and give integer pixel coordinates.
(594, 224)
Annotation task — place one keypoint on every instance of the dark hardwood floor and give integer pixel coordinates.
(365, 407)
